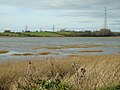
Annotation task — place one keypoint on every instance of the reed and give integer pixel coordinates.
(79, 72)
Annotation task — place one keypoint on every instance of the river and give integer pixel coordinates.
(21, 45)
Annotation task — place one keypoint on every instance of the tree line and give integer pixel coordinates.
(101, 33)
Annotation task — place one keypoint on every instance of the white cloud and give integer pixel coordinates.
(62, 4)
(4, 9)
(46, 12)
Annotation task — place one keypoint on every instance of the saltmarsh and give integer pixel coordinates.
(79, 72)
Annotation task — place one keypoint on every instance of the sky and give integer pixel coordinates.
(64, 14)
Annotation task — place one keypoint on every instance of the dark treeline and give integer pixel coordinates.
(87, 33)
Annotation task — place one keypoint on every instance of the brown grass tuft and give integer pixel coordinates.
(70, 46)
(44, 53)
(91, 51)
(3, 51)
(24, 54)
(49, 47)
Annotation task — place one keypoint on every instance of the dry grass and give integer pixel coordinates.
(48, 47)
(91, 51)
(24, 54)
(44, 53)
(84, 46)
(70, 46)
(3, 51)
(100, 70)
(30, 54)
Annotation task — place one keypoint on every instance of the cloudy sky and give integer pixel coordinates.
(74, 14)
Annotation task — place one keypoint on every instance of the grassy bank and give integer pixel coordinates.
(31, 34)
(71, 73)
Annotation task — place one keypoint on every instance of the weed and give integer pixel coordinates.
(32, 82)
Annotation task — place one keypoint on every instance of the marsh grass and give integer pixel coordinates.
(84, 46)
(44, 53)
(3, 51)
(23, 54)
(69, 46)
(49, 47)
(30, 54)
(91, 51)
(80, 72)
(114, 87)
(31, 81)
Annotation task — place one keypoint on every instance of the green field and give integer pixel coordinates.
(32, 34)
(43, 34)
(101, 33)
(9, 34)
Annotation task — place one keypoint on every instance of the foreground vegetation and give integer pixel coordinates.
(71, 73)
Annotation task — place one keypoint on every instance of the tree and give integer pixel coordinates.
(7, 31)
(105, 32)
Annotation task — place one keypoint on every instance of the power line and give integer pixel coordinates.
(53, 27)
(26, 28)
(105, 18)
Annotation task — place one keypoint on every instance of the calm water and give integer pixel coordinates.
(26, 45)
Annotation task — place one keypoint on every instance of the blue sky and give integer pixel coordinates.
(72, 14)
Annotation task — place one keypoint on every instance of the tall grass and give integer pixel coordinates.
(79, 72)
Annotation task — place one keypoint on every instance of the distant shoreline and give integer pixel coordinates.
(58, 37)
(63, 33)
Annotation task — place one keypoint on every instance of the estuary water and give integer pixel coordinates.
(36, 45)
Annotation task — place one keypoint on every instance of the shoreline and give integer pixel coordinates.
(56, 36)
(59, 58)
